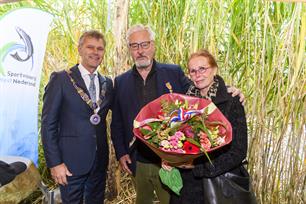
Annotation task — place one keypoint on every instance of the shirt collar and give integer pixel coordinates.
(85, 72)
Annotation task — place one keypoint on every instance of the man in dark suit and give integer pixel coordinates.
(144, 82)
(73, 128)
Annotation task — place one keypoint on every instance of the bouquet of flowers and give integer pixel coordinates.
(180, 128)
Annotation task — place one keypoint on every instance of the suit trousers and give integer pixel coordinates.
(147, 182)
(89, 187)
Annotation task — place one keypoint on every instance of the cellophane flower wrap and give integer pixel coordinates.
(180, 128)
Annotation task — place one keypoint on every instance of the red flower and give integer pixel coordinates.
(190, 148)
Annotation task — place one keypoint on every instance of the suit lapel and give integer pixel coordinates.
(132, 95)
(102, 90)
(102, 85)
(76, 75)
(161, 82)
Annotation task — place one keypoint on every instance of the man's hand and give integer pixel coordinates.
(59, 174)
(236, 92)
(124, 161)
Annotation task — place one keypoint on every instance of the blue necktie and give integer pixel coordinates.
(92, 88)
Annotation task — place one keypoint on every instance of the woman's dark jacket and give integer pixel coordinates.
(227, 158)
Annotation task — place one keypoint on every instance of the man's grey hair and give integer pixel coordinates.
(138, 28)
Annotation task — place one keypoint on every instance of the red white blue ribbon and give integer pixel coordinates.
(182, 115)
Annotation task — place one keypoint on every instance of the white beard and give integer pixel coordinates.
(142, 64)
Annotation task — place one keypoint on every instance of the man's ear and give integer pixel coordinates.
(79, 50)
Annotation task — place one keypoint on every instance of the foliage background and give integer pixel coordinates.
(259, 46)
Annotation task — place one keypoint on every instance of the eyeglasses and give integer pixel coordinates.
(143, 45)
(201, 70)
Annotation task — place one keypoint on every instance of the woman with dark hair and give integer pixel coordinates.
(207, 182)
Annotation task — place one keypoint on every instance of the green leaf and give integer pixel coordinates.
(172, 179)
(192, 141)
(144, 131)
(155, 139)
(154, 125)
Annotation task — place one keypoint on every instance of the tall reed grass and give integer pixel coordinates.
(260, 48)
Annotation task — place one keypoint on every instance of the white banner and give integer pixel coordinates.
(23, 37)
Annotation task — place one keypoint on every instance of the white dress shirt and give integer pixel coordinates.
(85, 75)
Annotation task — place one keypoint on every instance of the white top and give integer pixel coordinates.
(85, 75)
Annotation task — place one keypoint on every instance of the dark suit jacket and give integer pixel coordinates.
(126, 106)
(67, 134)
